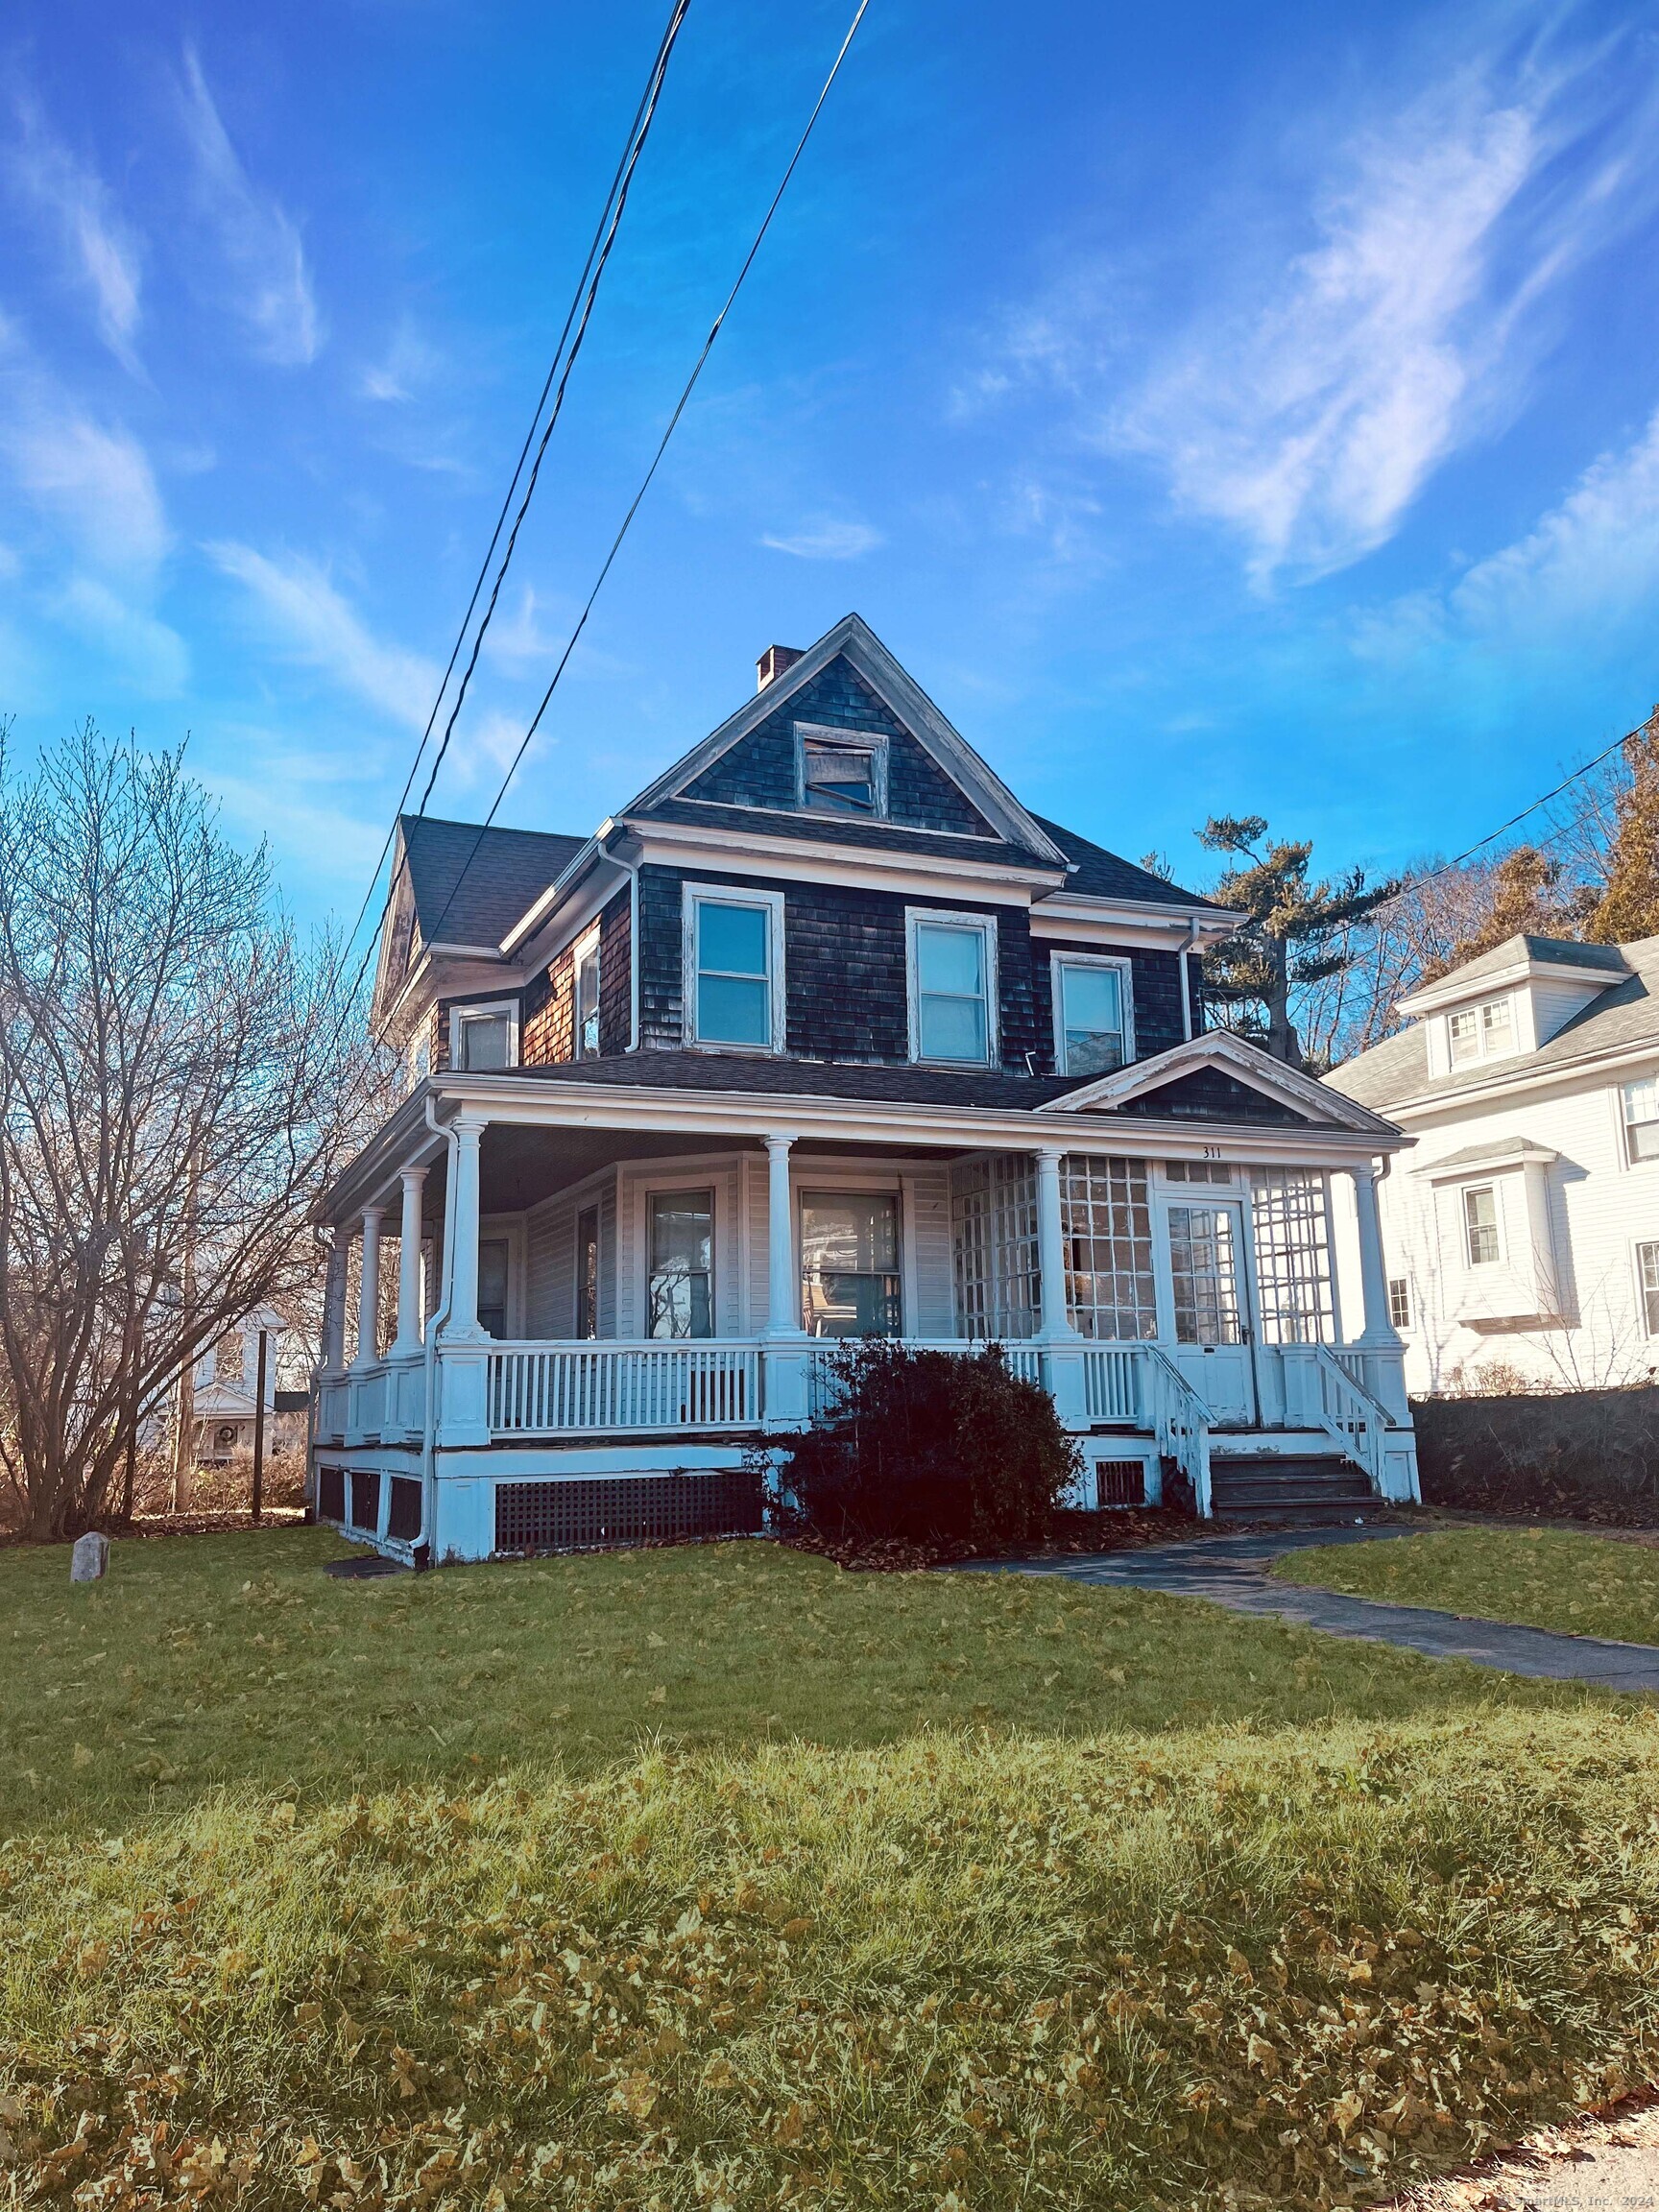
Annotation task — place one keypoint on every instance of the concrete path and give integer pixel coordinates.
(1233, 1571)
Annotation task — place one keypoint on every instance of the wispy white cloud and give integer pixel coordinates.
(90, 479)
(826, 539)
(312, 624)
(100, 249)
(407, 366)
(258, 240)
(518, 640)
(1581, 577)
(150, 655)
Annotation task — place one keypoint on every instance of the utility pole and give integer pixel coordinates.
(259, 1428)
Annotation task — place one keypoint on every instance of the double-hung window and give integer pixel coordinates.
(1480, 1233)
(587, 1011)
(482, 1038)
(952, 988)
(588, 1273)
(734, 958)
(1092, 1014)
(1647, 1281)
(1485, 1032)
(678, 1291)
(1642, 1119)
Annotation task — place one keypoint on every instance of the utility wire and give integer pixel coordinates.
(631, 163)
(652, 84)
(656, 460)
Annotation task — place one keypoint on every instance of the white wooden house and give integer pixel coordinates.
(826, 1033)
(1522, 1231)
(223, 1393)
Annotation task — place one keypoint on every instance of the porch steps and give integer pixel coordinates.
(1305, 1487)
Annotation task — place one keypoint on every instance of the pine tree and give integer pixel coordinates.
(1629, 904)
(1294, 933)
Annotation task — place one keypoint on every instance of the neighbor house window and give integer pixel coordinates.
(841, 775)
(849, 1265)
(1106, 1223)
(733, 962)
(1289, 1221)
(1399, 1302)
(1648, 1276)
(1481, 1032)
(588, 999)
(1481, 1225)
(952, 965)
(588, 1273)
(1641, 1118)
(679, 1298)
(481, 1038)
(1092, 1025)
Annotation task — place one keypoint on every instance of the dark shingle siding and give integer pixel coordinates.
(615, 973)
(1155, 980)
(843, 968)
(547, 1022)
(1212, 1095)
(759, 769)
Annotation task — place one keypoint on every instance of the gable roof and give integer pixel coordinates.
(1618, 1020)
(1229, 1056)
(1549, 952)
(911, 707)
(471, 891)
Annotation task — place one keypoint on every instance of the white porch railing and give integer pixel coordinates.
(1178, 1418)
(592, 1388)
(1110, 1389)
(1342, 1406)
(1024, 1360)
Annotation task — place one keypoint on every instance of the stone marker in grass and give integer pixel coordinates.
(89, 1561)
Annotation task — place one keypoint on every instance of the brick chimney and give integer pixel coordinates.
(773, 663)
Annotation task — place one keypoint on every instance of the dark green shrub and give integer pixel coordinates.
(929, 1447)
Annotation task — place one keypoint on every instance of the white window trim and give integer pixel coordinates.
(483, 1010)
(1493, 1184)
(707, 1174)
(587, 942)
(873, 742)
(1482, 1051)
(1057, 961)
(1622, 1114)
(1636, 1246)
(770, 903)
(951, 919)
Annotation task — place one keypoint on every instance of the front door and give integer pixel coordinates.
(1212, 1306)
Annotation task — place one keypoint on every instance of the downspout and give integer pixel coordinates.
(631, 868)
(1191, 940)
(435, 1321)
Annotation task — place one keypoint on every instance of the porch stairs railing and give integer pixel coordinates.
(1344, 1408)
(1177, 1417)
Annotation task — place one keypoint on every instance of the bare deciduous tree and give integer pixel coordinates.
(179, 1073)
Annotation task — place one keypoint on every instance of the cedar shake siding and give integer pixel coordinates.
(615, 973)
(844, 966)
(1155, 978)
(759, 769)
(1212, 1095)
(548, 1031)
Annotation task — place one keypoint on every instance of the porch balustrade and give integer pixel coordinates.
(592, 1388)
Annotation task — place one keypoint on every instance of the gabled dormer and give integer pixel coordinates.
(1509, 1001)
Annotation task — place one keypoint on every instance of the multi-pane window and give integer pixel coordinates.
(482, 1040)
(954, 962)
(993, 1232)
(1198, 1171)
(679, 1299)
(588, 1272)
(1091, 1017)
(1481, 1225)
(1107, 1223)
(1647, 1277)
(588, 1000)
(1204, 1274)
(1481, 1032)
(1292, 1255)
(732, 985)
(1641, 1118)
(1399, 1301)
(849, 1265)
(838, 779)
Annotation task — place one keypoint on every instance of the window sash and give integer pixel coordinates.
(1642, 1119)
(839, 779)
(849, 1279)
(494, 1274)
(1399, 1302)
(588, 1003)
(1647, 1277)
(588, 1273)
(1106, 1223)
(1482, 1032)
(1290, 1228)
(1204, 1272)
(486, 1042)
(952, 1016)
(1481, 1239)
(733, 992)
(679, 1295)
(1090, 1044)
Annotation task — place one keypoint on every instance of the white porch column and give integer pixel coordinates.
(334, 1307)
(1054, 1324)
(784, 1362)
(369, 1287)
(782, 1290)
(461, 1326)
(408, 1340)
(1373, 1271)
(1061, 1347)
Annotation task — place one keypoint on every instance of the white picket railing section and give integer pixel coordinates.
(1351, 1416)
(1110, 1389)
(1177, 1417)
(595, 1389)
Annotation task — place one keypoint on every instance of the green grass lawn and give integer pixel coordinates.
(1542, 1578)
(715, 1877)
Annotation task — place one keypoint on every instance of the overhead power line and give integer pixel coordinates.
(645, 481)
(604, 231)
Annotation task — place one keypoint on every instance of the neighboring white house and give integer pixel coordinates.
(1522, 1231)
(223, 1393)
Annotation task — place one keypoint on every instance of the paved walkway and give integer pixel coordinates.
(1233, 1571)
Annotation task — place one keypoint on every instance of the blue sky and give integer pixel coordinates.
(1215, 408)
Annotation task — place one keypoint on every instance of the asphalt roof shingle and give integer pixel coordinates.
(469, 887)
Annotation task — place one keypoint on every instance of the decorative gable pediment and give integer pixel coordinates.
(925, 776)
(1219, 1077)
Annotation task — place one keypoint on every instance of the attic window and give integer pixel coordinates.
(1481, 1032)
(840, 774)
